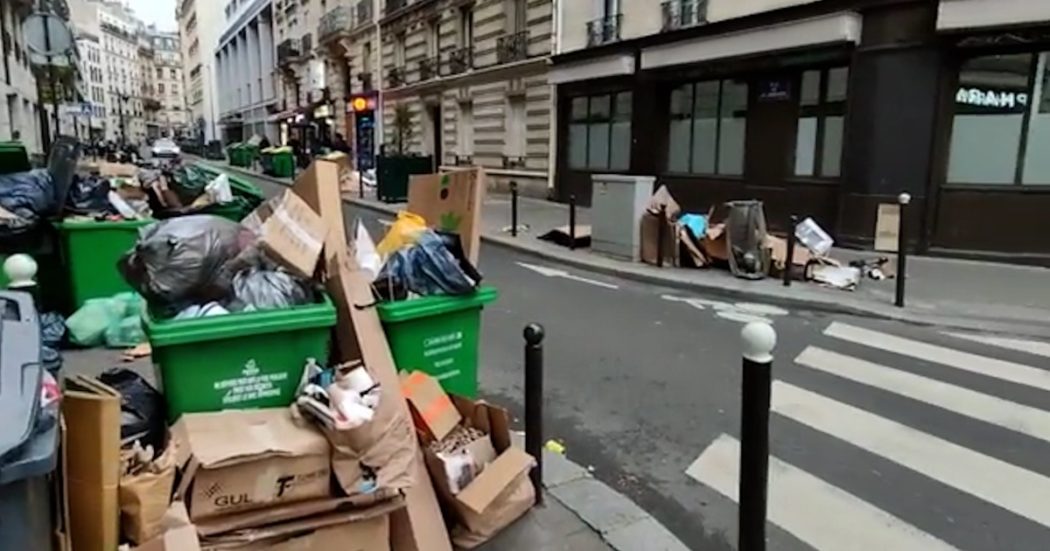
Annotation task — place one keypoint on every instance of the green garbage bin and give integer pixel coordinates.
(13, 157)
(91, 249)
(237, 361)
(439, 336)
(283, 163)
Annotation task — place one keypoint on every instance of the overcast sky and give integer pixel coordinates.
(158, 12)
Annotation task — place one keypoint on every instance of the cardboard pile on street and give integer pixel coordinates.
(273, 479)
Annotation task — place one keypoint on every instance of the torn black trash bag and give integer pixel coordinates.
(430, 267)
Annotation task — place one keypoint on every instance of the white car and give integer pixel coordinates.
(165, 148)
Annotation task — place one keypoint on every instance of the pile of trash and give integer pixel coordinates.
(734, 236)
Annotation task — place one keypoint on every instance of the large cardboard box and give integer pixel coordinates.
(92, 414)
(318, 186)
(501, 493)
(239, 460)
(178, 533)
(432, 409)
(318, 526)
(451, 202)
(359, 335)
(289, 231)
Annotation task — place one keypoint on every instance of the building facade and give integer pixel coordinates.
(200, 23)
(471, 76)
(20, 117)
(164, 78)
(819, 108)
(119, 33)
(245, 62)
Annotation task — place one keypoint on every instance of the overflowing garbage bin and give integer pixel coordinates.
(283, 163)
(91, 249)
(30, 432)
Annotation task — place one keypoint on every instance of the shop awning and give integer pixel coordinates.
(836, 28)
(601, 67)
(972, 14)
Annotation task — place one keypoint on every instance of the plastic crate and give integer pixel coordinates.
(237, 361)
(91, 250)
(438, 335)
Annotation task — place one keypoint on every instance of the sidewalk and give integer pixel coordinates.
(940, 291)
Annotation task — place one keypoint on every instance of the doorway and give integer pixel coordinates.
(434, 115)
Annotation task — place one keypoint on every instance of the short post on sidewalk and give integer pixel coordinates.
(790, 260)
(361, 185)
(758, 340)
(660, 231)
(513, 209)
(534, 403)
(902, 247)
(572, 222)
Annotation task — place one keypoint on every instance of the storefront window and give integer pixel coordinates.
(1001, 128)
(818, 139)
(707, 128)
(600, 132)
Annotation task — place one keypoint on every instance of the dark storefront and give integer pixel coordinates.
(829, 129)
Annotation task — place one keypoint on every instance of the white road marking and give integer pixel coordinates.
(742, 317)
(820, 514)
(990, 367)
(990, 409)
(998, 482)
(741, 312)
(1037, 348)
(761, 309)
(554, 272)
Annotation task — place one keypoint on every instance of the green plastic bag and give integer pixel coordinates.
(126, 333)
(115, 321)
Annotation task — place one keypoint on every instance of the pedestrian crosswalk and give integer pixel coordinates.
(907, 373)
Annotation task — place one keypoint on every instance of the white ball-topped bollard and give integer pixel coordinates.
(20, 270)
(758, 339)
(904, 198)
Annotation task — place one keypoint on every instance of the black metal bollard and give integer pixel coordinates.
(758, 340)
(572, 222)
(660, 229)
(534, 403)
(513, 209)
(790, 260)
(360, 185)
(902, 248)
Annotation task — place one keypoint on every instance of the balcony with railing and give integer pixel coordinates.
(364, 13)
(679, 14)
(395, 77)
(429, 67)
(394, 5)
(289, 50)
(512, 47)
(604, 30)
(461, 60)
(333, 24)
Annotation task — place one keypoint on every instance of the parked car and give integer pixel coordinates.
(164, 148)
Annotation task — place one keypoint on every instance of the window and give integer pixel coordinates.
(466, 27)
(433, 38)
(516, 13)
(160, 88)
(172, 73)
(465, 129)
(515, 130)
(366, 57)
(600, 132)
(399, 50)
(1001, 128)
(160, 72)
(822, 106)
(707, 128)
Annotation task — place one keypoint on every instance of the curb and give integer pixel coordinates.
(839, 305)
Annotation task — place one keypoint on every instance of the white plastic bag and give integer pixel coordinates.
(365, 251)
(219, 189)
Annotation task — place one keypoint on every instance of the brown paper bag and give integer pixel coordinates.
(513, 502)
(144, 498)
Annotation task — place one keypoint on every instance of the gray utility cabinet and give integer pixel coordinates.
(617, 204)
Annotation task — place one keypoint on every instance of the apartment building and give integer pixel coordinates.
(119, 39)
(165, 72)
(20, 117)
(472, 76)
(200, 23)
(822, 108)
(306, 113)
(348, 42)
(244, 61)
(87, 118)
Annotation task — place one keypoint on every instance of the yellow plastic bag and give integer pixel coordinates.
(403, 233)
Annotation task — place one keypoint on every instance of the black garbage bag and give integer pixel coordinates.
(89, 194)
(264, 289)
(142, 409)
(52, 334)
(183, 261)
(430, 267)
(30, 196)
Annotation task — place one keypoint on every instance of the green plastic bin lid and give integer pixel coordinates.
(87, 225)
(173, 332)
(436, 305)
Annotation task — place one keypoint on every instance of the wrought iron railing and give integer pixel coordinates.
(288, 49)
(429, 67)
(337, 20)
(678, 14)
(512, 47)
(461, 60)
(604, 30)
(394, 5)
(395, 77)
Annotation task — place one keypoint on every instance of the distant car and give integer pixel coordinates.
(165, 149)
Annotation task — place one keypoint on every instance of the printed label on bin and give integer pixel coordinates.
(440, 351)
(252, 385)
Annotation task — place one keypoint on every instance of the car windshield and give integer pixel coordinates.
(163, 143)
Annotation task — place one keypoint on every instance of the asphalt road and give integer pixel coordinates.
(932, 442)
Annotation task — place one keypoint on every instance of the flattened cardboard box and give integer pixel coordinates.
(451, 202)
(92, 415)
(318, 186)
(432, 408)
(178, 533)
(361, 530)
(289, 231)
(248, 459)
